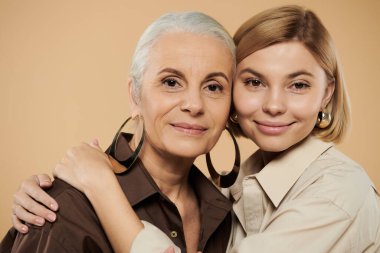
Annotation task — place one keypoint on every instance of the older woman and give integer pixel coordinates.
(180, 90)
(297, 193)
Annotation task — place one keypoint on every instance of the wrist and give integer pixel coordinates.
(97, 184)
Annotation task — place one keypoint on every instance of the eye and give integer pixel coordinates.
(299, 86)
(170, 82)
(214, 88)
(254, 82)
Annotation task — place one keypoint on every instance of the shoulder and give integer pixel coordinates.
(343, 171)
(76, 228)
(340, 180)
(65, 194)
(75, 210)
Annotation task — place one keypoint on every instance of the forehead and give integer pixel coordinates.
(190, 51)
(282, 57)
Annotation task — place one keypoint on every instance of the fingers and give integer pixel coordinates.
(18, 225)
(95, 144)
(43, 180)
(27, 208)
(169, 250)
(32, 191)
(20, 214)
(77, 151)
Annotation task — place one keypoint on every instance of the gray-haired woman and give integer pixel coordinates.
(180, 90)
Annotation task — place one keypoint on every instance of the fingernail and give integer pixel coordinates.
(51, 217)
(53, 207)
(24, 229)
(40, 221)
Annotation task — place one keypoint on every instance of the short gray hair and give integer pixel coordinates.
(192, 22)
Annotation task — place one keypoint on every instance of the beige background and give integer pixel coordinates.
(63, 71)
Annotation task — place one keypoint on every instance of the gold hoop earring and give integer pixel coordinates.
(127, 163)
(234, 119)
(323, 120)
(225, 180)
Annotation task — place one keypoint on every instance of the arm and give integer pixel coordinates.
(82, 167)
(70, 233)
(88, 169)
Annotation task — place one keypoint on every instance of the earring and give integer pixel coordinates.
(323, 120)
(234, 118)
(225, 180)
(127, 163)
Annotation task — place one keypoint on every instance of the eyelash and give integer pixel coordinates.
(172, 83)
(166, 82)
(304, 85)
(218, 88)
(254, 82)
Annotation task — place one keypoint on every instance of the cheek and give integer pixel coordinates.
(245, 102)
(304, 109)
(153, 109)
(218, 111)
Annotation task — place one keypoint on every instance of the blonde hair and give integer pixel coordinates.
(289, 23)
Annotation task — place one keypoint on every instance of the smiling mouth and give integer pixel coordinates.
(189, 129)
(272, 128)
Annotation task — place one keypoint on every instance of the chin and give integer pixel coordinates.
(187, 151)
(274, 146)
(273, 149)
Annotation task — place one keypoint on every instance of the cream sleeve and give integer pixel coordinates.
(152, 240)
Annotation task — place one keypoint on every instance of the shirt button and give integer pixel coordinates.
(173, 234)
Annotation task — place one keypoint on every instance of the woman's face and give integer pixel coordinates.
(278, 92)
(186, 94)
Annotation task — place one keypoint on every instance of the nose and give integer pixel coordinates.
(274, 102)
(192, 102)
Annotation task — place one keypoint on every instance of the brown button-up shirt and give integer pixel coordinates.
(77, 228)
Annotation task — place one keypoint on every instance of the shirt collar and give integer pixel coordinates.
(136, 182)
(278, 176)
(139, 184)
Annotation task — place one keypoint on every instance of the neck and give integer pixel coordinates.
(269, 156)
(169, 172)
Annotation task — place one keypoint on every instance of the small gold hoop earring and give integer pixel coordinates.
(234, 119)
(129, 162)
(225, 180)
(323, 120)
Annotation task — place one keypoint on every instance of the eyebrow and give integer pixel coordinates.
(173, 71)
(251, 71)
(180, 74)
(299, 73)
(216, 74)
(290, 76)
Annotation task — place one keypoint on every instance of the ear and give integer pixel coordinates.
(133, 103)
(329, 91)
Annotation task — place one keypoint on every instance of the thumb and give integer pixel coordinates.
(43, 180)
(95, 144)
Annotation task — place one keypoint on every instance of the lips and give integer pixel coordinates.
(190, 129)
(272, 128)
